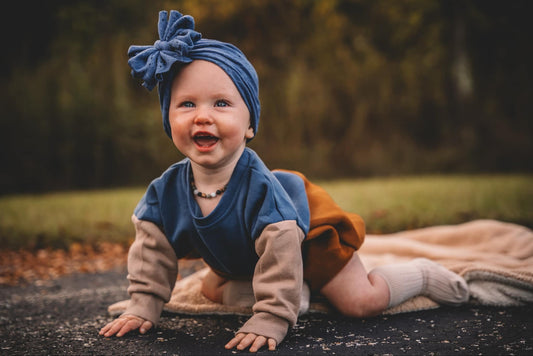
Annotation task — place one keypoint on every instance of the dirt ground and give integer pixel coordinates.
(62, 316)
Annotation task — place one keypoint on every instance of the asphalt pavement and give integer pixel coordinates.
(63, 316)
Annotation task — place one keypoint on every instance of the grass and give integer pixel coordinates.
(387, 205)
(59, 219)
(393, 204)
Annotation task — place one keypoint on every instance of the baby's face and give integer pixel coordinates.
(209, 120)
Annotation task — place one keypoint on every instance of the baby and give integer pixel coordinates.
(221, 203)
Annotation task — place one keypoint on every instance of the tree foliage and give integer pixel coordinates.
(348, 87)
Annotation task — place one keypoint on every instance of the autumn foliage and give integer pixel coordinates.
(32, 266)
(347, 88)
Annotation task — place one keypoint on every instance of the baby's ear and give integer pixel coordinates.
(250, 133)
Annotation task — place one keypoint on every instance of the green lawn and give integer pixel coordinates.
(387, 205)
(59, 219)
(393, 204)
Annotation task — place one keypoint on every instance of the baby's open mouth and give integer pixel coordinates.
(205, 140)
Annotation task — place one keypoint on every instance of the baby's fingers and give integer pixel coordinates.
(246, 341)
(243, 341)
(147, 325)
(113, 327)
(131, 324)
(235, 341)
(123, 325)
(272, 344)
(259, 342)
(106, 328)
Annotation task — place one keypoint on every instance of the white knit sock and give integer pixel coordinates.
(423, 277)
(238, 293)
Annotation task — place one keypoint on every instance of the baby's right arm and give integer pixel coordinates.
(152, 272)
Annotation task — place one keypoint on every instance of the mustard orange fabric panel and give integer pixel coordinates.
(333, 236)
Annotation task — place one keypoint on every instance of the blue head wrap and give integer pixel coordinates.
(180, 44)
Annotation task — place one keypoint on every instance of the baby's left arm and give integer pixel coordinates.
(277, 282)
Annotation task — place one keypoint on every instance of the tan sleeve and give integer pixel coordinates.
(152, 271)
(277, 281)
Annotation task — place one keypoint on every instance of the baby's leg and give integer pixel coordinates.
(230, 292)
(423, 277)
(213, 286)
(356, 293)
(238, 293)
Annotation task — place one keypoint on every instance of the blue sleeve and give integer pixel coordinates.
(277, 197)
(148, 207)
(295, 188)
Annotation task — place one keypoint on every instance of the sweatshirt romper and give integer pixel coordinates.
(272, 227)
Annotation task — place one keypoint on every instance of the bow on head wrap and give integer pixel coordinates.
(180, 44)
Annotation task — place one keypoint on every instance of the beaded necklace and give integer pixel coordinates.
(198, 193)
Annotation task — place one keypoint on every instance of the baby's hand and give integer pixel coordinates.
(242, 341)
(125, 324)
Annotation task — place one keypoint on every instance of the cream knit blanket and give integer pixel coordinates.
(495, 258)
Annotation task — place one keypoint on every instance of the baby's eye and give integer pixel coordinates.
(187, 104)
(221, 103)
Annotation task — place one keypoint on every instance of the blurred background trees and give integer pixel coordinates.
(348, 88)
